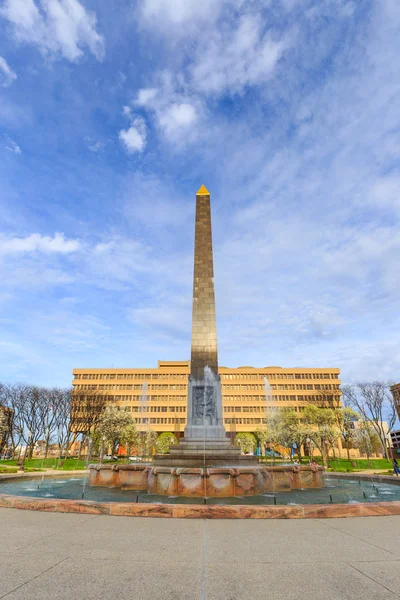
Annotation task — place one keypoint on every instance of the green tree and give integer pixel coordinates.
(147, 442)
(110, 427)
(246, 441)
(284, 429)
(164, 441)
(323, 431)
(366, 440)
(345, 418)
(267, 435)
(129, 437)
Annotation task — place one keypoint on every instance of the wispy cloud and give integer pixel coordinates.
(38, 243)
(12, 145)
(7, 75)
(55, 26)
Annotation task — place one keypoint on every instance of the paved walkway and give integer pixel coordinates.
(54, 556)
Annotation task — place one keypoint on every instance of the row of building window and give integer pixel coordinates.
(262, 407)
(244, 421)
(182, 409)
(141, 376)
(236, 398)
(180, 387)
(280, 376)
(144, 376)
(149, 398)
(147, 409)
(287, 386)
(161, 421)
(138, 388)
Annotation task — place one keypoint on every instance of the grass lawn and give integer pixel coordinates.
(343, 465)
(68, 464)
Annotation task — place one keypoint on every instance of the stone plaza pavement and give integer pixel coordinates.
(59, 556)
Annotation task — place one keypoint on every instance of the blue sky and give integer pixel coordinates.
(111, 117)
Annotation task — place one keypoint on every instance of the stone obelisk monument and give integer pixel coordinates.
(205, 443)
(204, 417)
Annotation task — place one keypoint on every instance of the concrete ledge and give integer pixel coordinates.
(202, 511)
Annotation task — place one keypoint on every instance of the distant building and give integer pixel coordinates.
(5, 414)
(395, 436)
(243, 392)
(395, 389)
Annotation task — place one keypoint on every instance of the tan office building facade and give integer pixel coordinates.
(243, 392)
(395, 389)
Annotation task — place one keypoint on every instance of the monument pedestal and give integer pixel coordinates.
(195, 453)
(205, 443)
(204, 411)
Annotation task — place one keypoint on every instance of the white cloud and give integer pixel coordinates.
(385, 192)
(233, 59)
(177, 117)
(175, 112)
(95, 146)
(234, 53)
(7, 75)
(146, 96)
(159, 13)
(38, 243)
(12, 146)
(127, 111)
(55, 26)
(134, 138)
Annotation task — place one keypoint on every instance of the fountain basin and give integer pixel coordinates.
(347, 495)
(213, 482)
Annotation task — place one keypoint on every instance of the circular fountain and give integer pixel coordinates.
(354, 495)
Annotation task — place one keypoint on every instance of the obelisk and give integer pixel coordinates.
(205, 443)
(204, 327)
(204, 418)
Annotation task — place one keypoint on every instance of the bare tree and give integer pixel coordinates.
(375, 402)
(62, 420)
(33, 413)
(51, 401)
(5, 419)
(14, 397)
(86, 409)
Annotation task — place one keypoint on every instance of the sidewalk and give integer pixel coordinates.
(54, 556)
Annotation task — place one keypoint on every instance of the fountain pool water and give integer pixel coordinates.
(337, 491)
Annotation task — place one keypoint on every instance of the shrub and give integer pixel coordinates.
(246, 441)
(164, 441)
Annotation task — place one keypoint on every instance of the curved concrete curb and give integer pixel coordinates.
(202, 511)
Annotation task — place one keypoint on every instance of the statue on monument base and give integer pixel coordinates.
(204, 419)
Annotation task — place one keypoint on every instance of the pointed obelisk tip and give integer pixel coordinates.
(203, 191)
